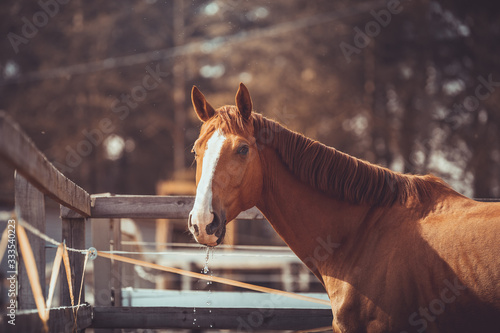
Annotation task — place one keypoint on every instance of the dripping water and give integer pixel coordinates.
(210, 251)
(206, 270)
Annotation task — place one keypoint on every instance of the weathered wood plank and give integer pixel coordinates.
(148, 206)
(116, 266)
(101, 236)
(241, 319)
(73, 232)
(60, 320)
(30, 206)
(17, 149)
(107, 273)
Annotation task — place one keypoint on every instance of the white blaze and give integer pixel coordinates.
(202, 209)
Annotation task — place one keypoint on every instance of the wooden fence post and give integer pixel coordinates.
(116, 266)
(101, 236)
(106, 235)
(30, 207)
(73, 232)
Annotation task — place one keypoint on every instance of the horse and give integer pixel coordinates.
(395, 252)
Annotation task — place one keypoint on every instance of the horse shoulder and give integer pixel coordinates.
(464, 235)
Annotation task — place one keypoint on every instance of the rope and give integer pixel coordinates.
(111, 255)
(32, 272)
(55, 273)
(75, 325)
(68, 273)
(212, 278)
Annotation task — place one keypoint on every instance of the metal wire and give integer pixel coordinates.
(43, 236)
(52, 241)
(222, 246)
(223, 254)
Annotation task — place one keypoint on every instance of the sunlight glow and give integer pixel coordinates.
(114, 146)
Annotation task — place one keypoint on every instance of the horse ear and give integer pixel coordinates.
(204, 110)
(244, 102)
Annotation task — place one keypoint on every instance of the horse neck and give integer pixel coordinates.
(310, 222)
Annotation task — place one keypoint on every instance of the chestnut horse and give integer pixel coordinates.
(395, 252)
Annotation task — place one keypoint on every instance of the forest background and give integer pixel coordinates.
(102, 87)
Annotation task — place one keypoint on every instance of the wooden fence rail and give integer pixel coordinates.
(17, 149)
(146, 207)
(241, 319)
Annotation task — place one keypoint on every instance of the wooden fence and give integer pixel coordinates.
(35, 178)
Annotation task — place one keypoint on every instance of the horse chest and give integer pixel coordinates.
(372, 296)
(353, 312)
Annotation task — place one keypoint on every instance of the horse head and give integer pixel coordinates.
(228, 167)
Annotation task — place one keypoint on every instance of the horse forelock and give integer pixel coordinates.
(228, 120)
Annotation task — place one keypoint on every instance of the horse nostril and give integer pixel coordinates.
(194, 226)
(214, 225)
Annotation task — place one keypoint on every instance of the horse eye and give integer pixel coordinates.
(194, 152)
(243, 150)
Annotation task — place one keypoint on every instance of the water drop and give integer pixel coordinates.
(209, 303)
(205, 268)
(194, 310)
(211, 325)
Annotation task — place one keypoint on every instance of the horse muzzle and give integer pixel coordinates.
(209, 234)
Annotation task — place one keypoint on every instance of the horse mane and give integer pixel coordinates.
(338, 174)
(333, 172)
